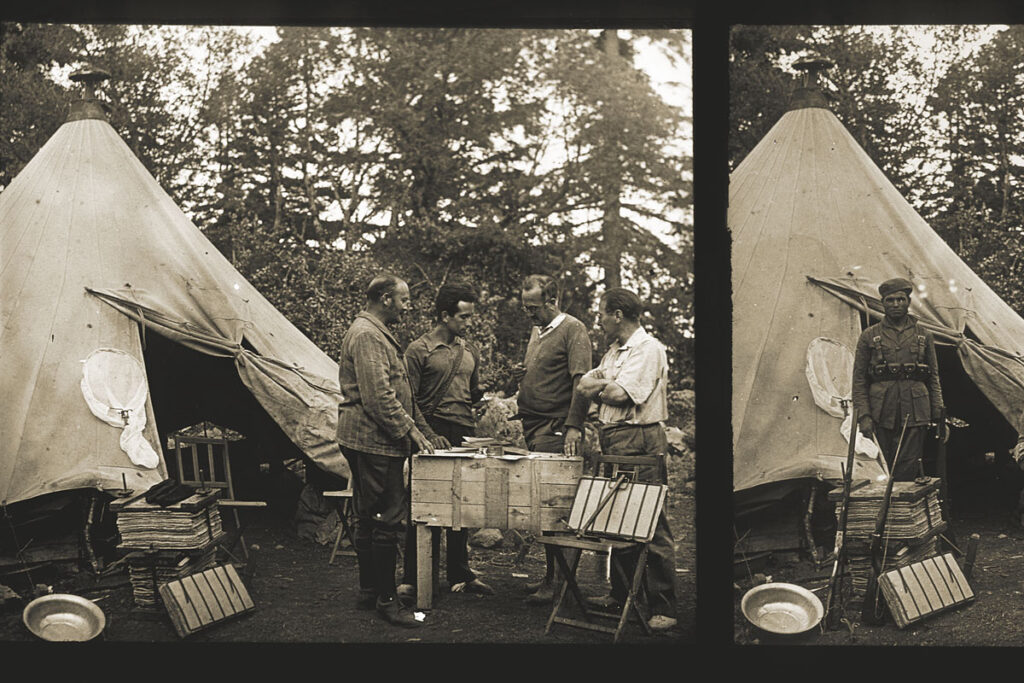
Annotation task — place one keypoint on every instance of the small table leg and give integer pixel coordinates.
(424, 567)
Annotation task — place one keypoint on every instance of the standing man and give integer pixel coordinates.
(379, 425)
(896, 375)
(557, 355)
(444, 375)
(631, 389)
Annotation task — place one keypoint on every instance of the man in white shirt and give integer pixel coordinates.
(630, 387)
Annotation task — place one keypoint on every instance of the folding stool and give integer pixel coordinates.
(608, 516)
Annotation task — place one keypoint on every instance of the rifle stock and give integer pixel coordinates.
(870, 613)
(832, 616)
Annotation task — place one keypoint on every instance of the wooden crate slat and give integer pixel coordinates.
(238, 587)
(900, 601)
(196, 599)
(496, 498)
(179, 605)
(934, 601)
(649, 513)
(219, 578)
(920, 599)
(472, 516)
(958, 576)
(954, 587)
(929, 568)
(519, 494)
(210, 599)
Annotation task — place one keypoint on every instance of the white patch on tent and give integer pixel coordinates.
(115, 389)
(953, 288)
(829, 373)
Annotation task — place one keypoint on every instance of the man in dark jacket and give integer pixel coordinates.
(379, 425)
(896, 375)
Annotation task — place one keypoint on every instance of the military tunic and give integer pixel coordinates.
(896, 374)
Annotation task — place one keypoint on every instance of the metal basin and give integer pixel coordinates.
(64, 617)
(782, 608)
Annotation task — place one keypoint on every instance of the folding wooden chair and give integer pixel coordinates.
(212, 472)
(345, 528)
(608, 516)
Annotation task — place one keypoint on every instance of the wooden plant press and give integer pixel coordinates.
(607, 516)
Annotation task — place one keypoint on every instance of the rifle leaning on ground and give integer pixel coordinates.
(869, 612)
(832, 616)
(941, 433)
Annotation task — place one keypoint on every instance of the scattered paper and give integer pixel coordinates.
(520, 576)
(419, 616)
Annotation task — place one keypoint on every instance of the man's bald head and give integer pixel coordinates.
(381, 286)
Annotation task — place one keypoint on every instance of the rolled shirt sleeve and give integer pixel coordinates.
(373, 374)
(640, 372)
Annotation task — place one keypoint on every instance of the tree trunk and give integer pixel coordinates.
(611, 230)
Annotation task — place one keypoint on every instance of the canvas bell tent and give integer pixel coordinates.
(815, 228)
(120, 321)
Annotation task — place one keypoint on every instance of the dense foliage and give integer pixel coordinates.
(317, 158)
(938, 109)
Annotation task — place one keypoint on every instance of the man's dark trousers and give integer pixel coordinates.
(625, 439)
(457, 556)
(542, 436)
(381, 504)
(907, 469)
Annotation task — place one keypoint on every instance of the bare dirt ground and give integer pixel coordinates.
(993, 618)
(299, 598)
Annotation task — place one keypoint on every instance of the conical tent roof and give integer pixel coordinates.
(92, 250)
(816, 227)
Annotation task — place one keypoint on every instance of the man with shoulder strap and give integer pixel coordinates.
(895, 375)
(631, 389)
(557, 355)
(379, 425)
(444, 369)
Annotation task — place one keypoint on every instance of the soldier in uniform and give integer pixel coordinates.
(896, 374)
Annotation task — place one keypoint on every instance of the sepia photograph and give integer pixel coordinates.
(877, 232)
(281, 304)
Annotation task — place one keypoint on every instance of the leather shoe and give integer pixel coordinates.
(542, 596)
(396, 615)
(661, 622)
(474, 586)
(604, 602)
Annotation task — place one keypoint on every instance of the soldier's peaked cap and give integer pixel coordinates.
(897, 284)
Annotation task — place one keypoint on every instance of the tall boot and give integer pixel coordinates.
(367, 586)
(388, 606)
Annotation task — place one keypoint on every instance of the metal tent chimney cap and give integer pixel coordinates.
(809, 93)
(813, 63)
(89, 107)
(90, 74)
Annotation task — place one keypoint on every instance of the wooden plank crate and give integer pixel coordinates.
(459, 490)
(201, 600)
(924, 588)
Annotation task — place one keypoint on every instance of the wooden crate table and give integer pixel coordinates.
(463, 488)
